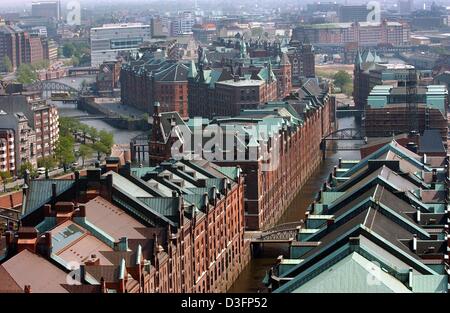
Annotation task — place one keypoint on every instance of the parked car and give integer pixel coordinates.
(41, 170)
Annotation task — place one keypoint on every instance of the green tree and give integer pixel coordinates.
(75, 61)
(68, 50)
(342, 78)
(7, 64)
(107, 139)
(47, 162)
(26, 74)
(27, 166)
(6, 178)
(64, 152)
(84, 152)
(100, 148)
(41, 65)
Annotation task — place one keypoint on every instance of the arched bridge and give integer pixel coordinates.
(346, 134)
(49, 85)
(283, 233)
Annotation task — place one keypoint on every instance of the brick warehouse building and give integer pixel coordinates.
(177, 227)
(298, 127)
(214, 92)
(391, 110)
(245, 64)
(149, 79)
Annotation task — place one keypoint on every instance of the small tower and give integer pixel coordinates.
(156, 127)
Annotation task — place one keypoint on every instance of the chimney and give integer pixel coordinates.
(414, 243)
(330, 222)
(9, 238)
(82, 210)
(53, 194)
(48, 243)
(123, 244)
(47, 210)
(27, 289)
(77, 186)
(353, 241)
(26, 177)
(434, 175)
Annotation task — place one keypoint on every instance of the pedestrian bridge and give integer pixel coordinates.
(283, 233)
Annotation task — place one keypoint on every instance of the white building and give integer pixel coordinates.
(107, 41)
(182, 24)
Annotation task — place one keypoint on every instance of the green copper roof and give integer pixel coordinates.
(40, 192)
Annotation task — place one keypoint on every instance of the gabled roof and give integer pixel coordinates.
(48, 279)
(40, 192)
(176, 73)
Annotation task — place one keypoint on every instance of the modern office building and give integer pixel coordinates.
(110, 39)
(48, 9)
(182, 23)
(353, 13)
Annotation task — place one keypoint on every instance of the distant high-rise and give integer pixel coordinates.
(183, 23)
(50, 9)
(353, 13)
(405, 6)
(110, 39)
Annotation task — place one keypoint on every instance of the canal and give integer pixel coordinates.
(120, 136)
(251, 278)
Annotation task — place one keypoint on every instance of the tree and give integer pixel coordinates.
(5, 177)
(68, 50)
(100, 148)
(26, 74)
(41, 65)
(75, 61)
(64, 151)
(27, 166)
(47, 162)
(342, 78)
(107, 139)
(84, 152)
(7, 64)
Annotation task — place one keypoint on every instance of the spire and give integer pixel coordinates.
(278, 59)
(269, 71)
(285, 59)
(192, 70)
(243, 50)
(358, 59)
